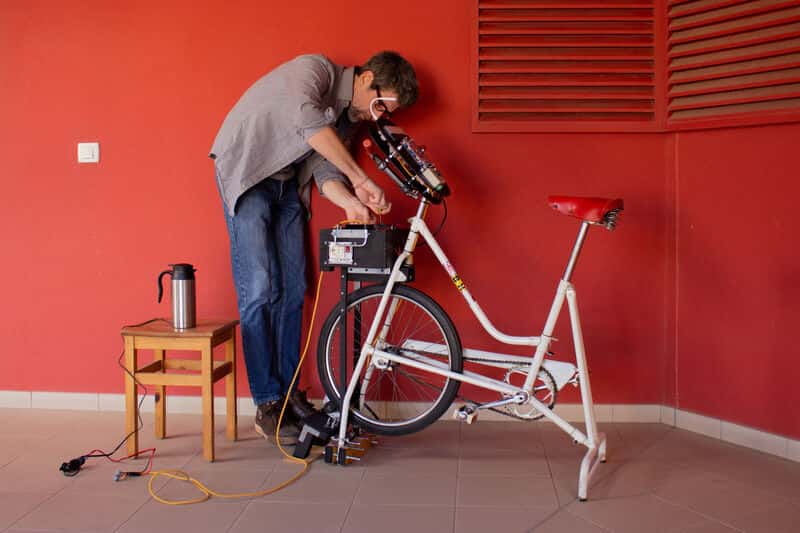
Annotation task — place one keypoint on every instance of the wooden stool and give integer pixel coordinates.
(159, 336)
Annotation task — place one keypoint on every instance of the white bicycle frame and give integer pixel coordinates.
(563, 373)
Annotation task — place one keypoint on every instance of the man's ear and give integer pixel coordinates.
(367, 76)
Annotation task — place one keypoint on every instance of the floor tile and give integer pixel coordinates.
(17, 504)
(782, 518)
(407, 490)
(506, 491)
(282, 517)
(251, 453)
(773, 475)
(634, 477)
(719, 498)
(483, 519)
(635, 514)
(314, 486)
(563, 522)
(382, 460)
(75, 512)
(558, 445)
(502, 463)
(709, 526)
(445, 435)
(12, 446)
(16, 530)
(41, 476)
(211, 516)
(399, 519)
(515, 436)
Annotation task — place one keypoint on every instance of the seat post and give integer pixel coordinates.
(576, 251)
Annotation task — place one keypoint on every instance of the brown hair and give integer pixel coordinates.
(392, 72)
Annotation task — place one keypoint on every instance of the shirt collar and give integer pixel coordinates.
(344, 89)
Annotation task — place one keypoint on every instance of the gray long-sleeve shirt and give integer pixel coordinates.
(269, 127)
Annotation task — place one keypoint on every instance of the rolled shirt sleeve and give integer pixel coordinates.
(308, 95)
(324, 171)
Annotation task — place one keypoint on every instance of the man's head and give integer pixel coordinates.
(386, 74)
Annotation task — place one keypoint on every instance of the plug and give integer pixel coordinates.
(73, 466)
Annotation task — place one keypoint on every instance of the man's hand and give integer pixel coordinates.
(372, 196)
(358, 211)
(338, 193)
(329, 146)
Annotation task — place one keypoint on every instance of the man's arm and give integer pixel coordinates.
(329, 146)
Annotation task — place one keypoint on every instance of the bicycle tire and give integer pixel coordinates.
(416, 314)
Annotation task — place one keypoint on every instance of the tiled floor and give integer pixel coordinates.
(488, 477)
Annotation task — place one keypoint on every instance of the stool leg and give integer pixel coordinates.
(230, 388)
(208, 402)
(161, 400)
(131, 405)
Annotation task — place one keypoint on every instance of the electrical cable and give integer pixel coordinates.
(72, 467)
(444, 218)
(207, 492)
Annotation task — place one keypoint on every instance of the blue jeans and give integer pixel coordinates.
(268, 259)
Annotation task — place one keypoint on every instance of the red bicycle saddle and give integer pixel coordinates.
(593, 210)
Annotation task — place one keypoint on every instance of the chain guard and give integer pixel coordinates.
(544, 389)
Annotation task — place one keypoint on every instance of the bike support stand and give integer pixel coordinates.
(356, 444)
(595, 441)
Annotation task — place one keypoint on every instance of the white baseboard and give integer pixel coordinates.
(667, 415)
(604, 413)
(711, 427)
(15, 399)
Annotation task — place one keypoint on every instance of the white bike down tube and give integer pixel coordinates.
(419, 225)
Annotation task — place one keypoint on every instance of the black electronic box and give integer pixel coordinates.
(368, 251)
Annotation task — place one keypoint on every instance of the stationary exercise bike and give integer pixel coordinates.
(391, 358)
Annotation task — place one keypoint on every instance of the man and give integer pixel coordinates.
(294, 123)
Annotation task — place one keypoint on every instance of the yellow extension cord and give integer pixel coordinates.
(207, 492)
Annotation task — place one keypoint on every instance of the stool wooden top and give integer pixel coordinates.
(163, 328)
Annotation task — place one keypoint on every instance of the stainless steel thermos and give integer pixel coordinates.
(183, 295)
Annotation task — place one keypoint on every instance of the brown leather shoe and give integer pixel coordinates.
(267, 416)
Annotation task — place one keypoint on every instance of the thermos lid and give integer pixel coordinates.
(182, 271)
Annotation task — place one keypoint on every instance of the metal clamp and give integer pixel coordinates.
(350, 233)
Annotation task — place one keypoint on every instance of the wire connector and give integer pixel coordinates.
(119, 475)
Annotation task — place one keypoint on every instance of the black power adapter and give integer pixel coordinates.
(73, 467)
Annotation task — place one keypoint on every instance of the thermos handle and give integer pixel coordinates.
(160, 287)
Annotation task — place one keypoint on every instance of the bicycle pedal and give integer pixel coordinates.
(466, 413)
(343, 456)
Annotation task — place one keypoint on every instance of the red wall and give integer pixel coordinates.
(737, 276)
(83, 243)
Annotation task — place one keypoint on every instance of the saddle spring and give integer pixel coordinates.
(610, 220)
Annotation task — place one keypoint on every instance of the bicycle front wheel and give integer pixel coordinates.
(391, 398)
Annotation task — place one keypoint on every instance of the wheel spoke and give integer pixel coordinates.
(412, 397)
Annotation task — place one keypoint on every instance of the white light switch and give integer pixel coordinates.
(88, 152)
